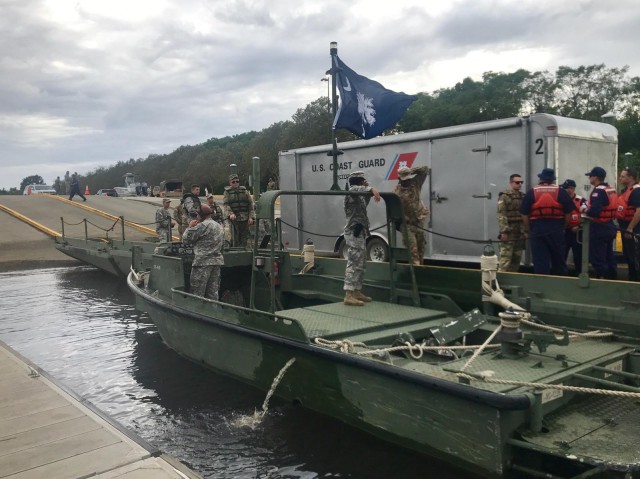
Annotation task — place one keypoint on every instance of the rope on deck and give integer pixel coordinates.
(415, 350)
(486, 377)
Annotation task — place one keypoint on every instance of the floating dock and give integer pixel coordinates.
(48, 432)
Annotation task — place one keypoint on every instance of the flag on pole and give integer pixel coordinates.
(366, 107)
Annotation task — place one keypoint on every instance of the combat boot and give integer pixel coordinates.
(358, 294)
(351, 300)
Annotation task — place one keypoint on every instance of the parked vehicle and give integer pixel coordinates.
(39, 190)
(469, 166)
(171, 188)
(107, 192)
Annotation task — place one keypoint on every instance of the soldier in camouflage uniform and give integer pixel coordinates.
(510, 225)
(177, 216)
(355, 235)
(409, 189)
(217, 215)
(239, 210)
(164, 222)
(190, 206)
(207, 238)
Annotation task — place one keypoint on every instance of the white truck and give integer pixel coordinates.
(469, 166)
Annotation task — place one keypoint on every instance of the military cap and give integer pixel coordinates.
(357, 174)
(404, 173)
(166, 200)
(597, 171)
(233, 177)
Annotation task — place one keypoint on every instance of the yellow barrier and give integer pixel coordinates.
(30, 222)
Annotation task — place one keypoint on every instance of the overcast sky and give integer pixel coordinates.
(87, 83)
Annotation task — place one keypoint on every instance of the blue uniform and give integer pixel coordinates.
(602, 236)
(546, 235)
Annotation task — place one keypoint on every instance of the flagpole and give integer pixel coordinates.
(333, 51)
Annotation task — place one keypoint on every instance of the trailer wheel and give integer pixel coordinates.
(377, 250)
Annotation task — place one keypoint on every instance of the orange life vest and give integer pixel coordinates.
(546, 204)
(624, 211)
(574, 218)
(608, 213)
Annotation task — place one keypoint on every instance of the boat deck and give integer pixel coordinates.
(607, 432)
(337, 320)
(47, 432)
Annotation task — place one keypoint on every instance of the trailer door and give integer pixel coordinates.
(459, 196)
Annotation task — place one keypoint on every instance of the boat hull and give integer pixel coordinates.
(467, 433)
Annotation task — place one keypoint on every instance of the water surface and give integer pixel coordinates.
(80, 325)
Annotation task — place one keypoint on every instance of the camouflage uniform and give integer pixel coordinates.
(163, 224)
(510, 223)
(177, 215)
(415, 212)
(207, 239)
(239, 202)
(218, 214)
(355, 209)
(190, 205)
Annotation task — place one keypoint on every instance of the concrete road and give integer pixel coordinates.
(24, 247)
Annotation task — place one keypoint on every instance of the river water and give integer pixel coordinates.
(80, 325)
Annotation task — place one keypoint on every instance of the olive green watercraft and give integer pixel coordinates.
(491, 390)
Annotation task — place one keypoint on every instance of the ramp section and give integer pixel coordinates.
(47, 432)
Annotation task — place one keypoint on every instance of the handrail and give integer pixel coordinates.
(265, 211)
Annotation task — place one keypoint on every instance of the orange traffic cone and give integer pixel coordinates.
(86, 190)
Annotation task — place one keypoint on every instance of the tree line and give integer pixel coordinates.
(585, 92)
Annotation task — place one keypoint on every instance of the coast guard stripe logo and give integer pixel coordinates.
(400, 161)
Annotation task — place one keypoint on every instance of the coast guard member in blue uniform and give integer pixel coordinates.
(603, 203)
(545, 213)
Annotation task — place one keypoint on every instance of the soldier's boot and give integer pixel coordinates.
(351, 300)
(358, 294)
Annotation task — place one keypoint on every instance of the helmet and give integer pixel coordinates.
(204, 211)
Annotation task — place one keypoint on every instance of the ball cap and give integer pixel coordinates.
(547, 174)
(404, 173)
(597, 171)
(568, 184)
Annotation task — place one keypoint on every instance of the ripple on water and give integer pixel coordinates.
(81, 326)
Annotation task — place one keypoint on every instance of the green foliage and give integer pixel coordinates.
(31, 180)
(585, 92)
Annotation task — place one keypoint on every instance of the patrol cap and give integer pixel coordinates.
(204, 211)
(547, 174)
(404, 173)
(597, 171)
(166, 200)
(357, 174)
(568, 184)
(210, 195)
(234, 177)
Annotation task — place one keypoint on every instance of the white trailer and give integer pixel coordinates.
(469, 166)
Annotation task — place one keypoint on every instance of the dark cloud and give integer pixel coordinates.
(81, 87)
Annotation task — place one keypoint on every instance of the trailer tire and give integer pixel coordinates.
(377, 250)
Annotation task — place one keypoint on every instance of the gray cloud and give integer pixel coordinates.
(81, 88)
